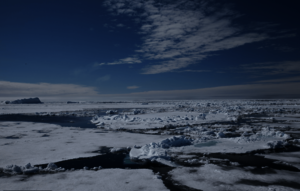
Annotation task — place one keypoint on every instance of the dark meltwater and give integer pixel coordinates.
(109, 160)
(64, 121)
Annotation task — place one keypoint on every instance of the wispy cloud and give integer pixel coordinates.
(120, 25)
(245, 91)
(180, 33)
(103, 78)
(198, 71)
(98, 64)
(281, 80)
(169, 66)
(77, 72)
(128, 60)
(271, 89)
(132, 87)
(274, 68)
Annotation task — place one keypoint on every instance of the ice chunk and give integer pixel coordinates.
(17, 169)
(296, 141)
(276, 144)
(166, 162)
(111, 111)
(221, 134)
(201, 116)
(31, 170)
(116, 149)
(158, 150)
(51, 166)
(28, 166)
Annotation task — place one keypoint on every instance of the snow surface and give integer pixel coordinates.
(40, 143)
(158, 150)
(211, 177)
(190, 128)
(59, 107)
(107, 179)
(292, 158)
(264, 139)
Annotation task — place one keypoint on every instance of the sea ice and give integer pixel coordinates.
(292, 158)
(29, 169)
(205, 127)
(107, 179)
(62, 143)
(154, 120)
(211, 177)
(158, 150)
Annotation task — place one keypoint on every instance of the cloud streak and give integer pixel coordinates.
(103, 78)
(247, 91)
(180, 33)
(288, 88)
(16, 89)
(274, 68)
(128, 60)
(281, 80)
(132, 87)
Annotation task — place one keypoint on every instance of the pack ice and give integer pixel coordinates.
(138, 120)
(195, 137)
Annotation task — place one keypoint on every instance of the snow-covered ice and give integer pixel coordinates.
(292, 158)
(264, 139)
(179, 134)
(156, 120)
(107, 179)
(39, 143)
(212, 177)
(158, 150)
(60, 107)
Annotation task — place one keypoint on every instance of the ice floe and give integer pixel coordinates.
(174, 133)
(61, 143)
(209, 141)
(159, 149)
(154, 120)
(292, 158)
(107, 179)
(29, 169)
(212, 177)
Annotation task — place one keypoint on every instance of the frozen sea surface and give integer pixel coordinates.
(212, 177)
(182, 145)
(39, 143)
(109, 179)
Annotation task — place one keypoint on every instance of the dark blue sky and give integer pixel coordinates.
(91, 48)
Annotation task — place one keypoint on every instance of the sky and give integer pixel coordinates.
(149, 49)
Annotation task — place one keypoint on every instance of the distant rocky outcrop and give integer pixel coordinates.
(68, 102)
(24, 101)
(5, 102)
